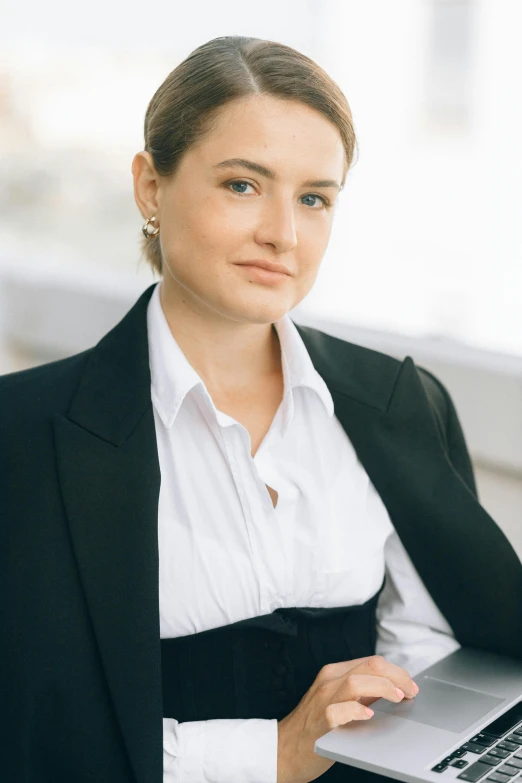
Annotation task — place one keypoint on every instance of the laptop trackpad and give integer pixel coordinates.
(441, 704)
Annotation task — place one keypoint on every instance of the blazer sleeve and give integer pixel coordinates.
(411, 630)
(450, 428)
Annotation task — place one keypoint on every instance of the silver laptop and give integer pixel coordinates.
(464, 724)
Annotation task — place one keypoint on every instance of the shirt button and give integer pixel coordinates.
(274, 644)
(282, 694)
(279, 668)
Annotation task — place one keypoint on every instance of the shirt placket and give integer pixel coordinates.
(275, 542)
(283, 523)
(259, 518)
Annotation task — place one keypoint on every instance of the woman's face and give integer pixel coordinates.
(213, 214)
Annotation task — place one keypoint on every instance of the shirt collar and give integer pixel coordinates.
(173, 377)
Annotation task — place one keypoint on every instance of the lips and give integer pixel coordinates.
(263, 276)
(268, 265)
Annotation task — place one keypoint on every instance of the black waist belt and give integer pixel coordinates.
(262, 666)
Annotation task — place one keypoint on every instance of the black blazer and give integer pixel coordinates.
(80, 669)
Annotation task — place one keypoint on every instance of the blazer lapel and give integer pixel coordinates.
(110, 480)
(467, 564)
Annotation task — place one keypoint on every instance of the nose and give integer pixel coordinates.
(277, 225)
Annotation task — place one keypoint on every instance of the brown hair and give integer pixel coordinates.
(182, 109)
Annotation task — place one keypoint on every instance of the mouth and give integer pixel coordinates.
(261, 275)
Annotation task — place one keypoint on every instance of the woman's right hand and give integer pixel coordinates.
(340, 693)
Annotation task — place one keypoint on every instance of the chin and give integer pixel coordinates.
(260, 312)
(255, 303)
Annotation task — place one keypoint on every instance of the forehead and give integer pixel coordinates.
(278, 132)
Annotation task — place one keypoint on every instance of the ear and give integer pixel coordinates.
(146, 184)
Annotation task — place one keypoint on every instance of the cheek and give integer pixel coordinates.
(312, 243)
(197, 246)
(314, 228)
(210, 228)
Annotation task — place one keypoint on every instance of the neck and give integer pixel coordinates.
(228, 355)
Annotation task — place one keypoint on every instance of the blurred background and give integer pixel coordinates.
(425, 257)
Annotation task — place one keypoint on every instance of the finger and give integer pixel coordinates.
(379, 666)
(368, 700)
(344, 712)
(355, 686)
(335, 670)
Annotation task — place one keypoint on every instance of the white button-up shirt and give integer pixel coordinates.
(226, 554)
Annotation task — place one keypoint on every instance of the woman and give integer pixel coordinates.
(216, 518)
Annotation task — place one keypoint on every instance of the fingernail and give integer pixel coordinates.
(415, 687)
(399, 693)
(369, 711)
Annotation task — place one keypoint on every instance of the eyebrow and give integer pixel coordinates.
(270, 174)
